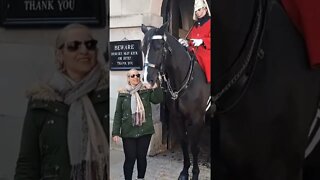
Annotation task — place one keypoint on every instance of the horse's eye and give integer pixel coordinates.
(156, 45)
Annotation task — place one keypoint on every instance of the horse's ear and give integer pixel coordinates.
(144, 28)
(164, 27)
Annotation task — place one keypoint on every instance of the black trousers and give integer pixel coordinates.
(135, 149)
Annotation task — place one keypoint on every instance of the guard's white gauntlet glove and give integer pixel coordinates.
(183, 42)
(197, 42)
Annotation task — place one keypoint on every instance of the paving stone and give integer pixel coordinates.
(164, 166)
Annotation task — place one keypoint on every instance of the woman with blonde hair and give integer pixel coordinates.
(133, 122)
(66, 126)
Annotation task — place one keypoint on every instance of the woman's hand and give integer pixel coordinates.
(116, 139)
(148, 85)
(155, 85)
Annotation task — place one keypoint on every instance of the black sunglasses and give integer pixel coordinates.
(75, 45)
(133, 75)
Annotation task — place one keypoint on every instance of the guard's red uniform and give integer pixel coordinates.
(202, 30)
(305, 14)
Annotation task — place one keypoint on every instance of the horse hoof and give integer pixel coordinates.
(183, 177)
(195, 178)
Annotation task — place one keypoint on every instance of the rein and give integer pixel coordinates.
(259, 27)
(188, 77)
(175, 94)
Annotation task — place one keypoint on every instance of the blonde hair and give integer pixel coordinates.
(62, 35)
(128, 74)
(61, 38)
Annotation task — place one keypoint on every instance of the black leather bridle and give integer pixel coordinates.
(165, 50)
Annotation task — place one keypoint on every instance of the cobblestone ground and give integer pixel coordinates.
(165, 166)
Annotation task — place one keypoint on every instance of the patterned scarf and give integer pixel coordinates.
(137, 108)
(87, 141)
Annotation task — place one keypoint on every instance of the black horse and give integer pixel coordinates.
(265, 92)
(187, 89)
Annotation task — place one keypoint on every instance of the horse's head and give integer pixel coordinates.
(154, 51)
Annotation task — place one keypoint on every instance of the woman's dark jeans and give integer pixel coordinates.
(135, 149)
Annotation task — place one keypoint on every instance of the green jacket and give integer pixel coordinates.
(122, 123)
(44, 150)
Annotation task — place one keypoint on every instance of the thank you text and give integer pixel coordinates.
(46, 12)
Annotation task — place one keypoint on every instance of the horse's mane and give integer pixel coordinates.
(172, 41)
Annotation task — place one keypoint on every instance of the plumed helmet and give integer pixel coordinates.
(200, 4)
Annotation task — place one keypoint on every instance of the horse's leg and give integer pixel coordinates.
(183, 139)
(195, 152)
(194, 132)
(184, 174)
